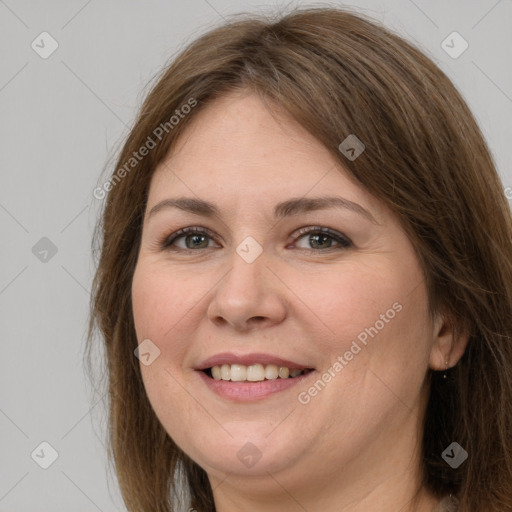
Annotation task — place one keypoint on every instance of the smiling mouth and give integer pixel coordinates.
(253, 373)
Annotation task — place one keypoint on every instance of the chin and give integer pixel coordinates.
(252, 454)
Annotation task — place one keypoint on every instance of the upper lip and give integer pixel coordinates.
(249, 359)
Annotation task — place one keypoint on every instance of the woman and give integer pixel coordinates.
(304, 285)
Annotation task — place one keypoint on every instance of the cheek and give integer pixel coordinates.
(159, 305)
(159, 302)
(376, 313)
(345, 302)
(375, 319)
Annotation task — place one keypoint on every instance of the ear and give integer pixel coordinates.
(449, 343)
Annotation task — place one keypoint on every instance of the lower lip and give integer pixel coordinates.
(250, 391)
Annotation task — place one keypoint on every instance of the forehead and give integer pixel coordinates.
(240, 125)
(236, 149)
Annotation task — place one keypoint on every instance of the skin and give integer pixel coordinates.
(355, 445)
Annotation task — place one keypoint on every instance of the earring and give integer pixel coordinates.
(444, 374)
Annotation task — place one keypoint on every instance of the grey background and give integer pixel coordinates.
(62, 118)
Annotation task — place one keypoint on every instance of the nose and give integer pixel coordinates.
(248, 296)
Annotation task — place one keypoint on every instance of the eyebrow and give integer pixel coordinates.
(290, 207)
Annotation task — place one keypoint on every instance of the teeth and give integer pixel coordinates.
(239, 372)
(225, 372)
(216, 373)
(271, 372)
(253, 373)
(284, 372)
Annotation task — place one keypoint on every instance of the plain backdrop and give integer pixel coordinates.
(62, 118)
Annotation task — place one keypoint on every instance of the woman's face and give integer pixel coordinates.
(255, 298)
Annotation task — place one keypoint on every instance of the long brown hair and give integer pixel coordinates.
(337, 73)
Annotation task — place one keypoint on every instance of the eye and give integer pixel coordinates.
(193, 237)
(320, 238)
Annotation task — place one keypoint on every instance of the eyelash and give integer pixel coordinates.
(343, 241)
